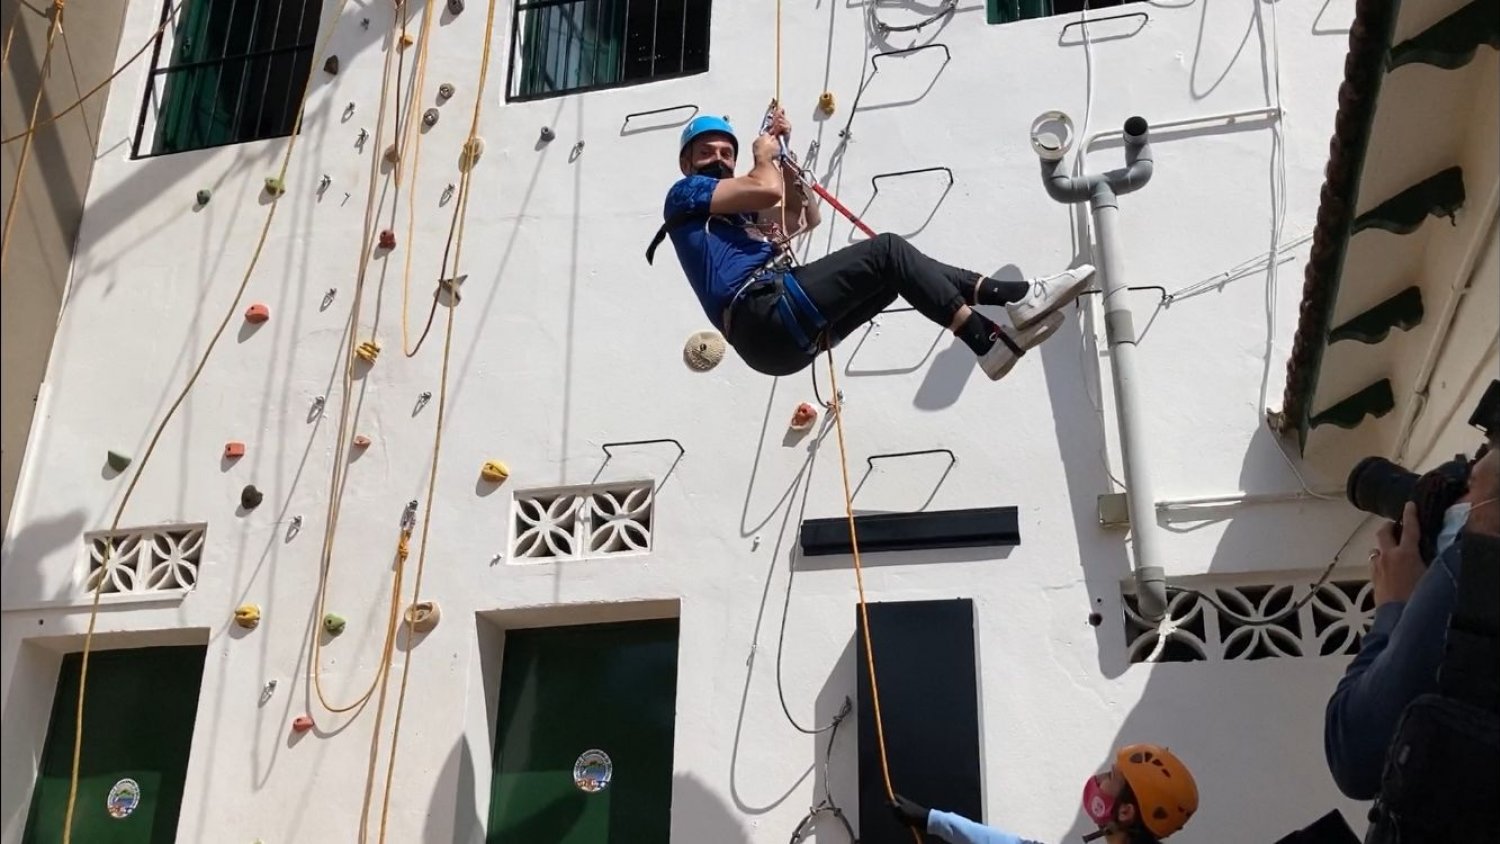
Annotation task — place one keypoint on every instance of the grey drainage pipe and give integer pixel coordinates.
(1051, 137)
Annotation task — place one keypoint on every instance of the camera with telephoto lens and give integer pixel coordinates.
(1382, 488)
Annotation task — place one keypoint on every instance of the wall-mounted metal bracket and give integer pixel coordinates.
(609, 455)
(875, 179)
(952, 458)
(634, 114)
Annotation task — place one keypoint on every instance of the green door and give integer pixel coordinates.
(137, 733)
(566, 691)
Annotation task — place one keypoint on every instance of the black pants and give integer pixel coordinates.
(850, 287)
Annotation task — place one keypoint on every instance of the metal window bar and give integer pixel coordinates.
(238, 58)
(551, 53)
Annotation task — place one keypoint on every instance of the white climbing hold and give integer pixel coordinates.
(704, 350)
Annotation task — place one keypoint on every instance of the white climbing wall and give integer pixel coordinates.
(565, 339)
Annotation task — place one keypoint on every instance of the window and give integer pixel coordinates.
(567, 46)
(237, 71)
(1005, 11)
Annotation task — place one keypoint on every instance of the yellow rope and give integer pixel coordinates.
(411, 201)
(339, 474)
(41, 88)
(88, 639)
(171, 16)
(442, 399)
(836, 407)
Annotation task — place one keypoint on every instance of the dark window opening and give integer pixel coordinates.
(237, 72)
(1007, 11)
(569, 46)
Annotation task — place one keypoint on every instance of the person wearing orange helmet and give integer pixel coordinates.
(1145, 796)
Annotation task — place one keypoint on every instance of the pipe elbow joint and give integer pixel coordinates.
(1151, 592)
(1062, 187)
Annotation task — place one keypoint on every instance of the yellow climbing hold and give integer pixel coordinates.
(247, 616)
(494, 471)
(275, 186)
(826, 103)
(368, 351)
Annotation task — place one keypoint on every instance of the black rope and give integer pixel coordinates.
(826, 805)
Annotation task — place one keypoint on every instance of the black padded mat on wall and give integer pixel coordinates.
(929, 697)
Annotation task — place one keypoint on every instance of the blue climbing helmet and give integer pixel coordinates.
(704, 124)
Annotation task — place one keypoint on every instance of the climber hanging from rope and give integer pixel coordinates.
(1145, 796)
(732, 237)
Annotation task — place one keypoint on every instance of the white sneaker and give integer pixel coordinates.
(1001, 357)
(1048, 294)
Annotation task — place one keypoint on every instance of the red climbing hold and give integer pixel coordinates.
(361, 441)
(387, 239)
(234, 450)
(302, 723)
(257, 313)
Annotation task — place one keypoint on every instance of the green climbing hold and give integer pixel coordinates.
(275, 186)
(333, 624)
(204, 196)
(117, 461)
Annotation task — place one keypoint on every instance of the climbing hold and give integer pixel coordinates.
(826, 103)
(547, 134)
(423, 616)
(257, 313)
(302, 723)
(1096, 619)
(407, 40)
(445, 90)
(430, 117)
(494, 471)
(368, 351)
(331, 67)
(473, 149)
(804, 417)
(361, 441)
(204, 195)
(455, 6)
(387, 239)
(392, 155)
(250, 497)
(450, 287)
(247, 616)
(275, 186)
(233, 450)
(117, 460)
(333, 624)
(704, 350)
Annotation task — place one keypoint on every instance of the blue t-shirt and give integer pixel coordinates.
(957, 829)
(718, 254)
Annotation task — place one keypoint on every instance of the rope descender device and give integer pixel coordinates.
(409, 516)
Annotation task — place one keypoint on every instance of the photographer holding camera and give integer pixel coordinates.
(1444, 516)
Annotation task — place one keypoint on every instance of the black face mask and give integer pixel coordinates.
(715, 170)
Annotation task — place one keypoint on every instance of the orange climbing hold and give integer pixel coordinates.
(257, 313)
(361, 441)
(302, 723)
(233, 450)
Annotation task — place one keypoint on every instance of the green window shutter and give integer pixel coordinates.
(1008, 11)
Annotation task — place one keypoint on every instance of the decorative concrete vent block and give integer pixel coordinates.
(1332, 623)
(577, 522)
(145, 561)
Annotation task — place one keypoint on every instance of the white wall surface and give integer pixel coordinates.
(566, 339)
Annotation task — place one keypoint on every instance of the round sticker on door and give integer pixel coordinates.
(123, 797)
(592, 771)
